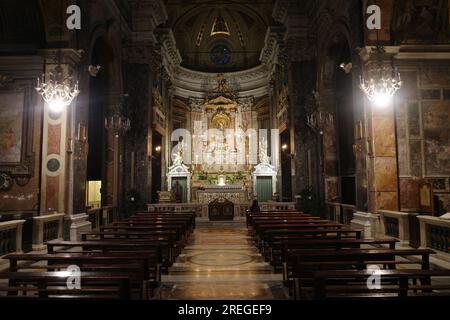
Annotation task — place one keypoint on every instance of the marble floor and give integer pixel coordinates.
(220, 262)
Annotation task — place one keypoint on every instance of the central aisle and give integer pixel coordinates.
(220, 262)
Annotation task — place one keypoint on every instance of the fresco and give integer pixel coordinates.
(436, 117)
(11, 126)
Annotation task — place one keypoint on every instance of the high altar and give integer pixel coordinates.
(227, 151)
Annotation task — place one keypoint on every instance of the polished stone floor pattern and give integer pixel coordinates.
(220, 262)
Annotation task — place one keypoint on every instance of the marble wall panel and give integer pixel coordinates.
(332, 190)
(383, 136)
(409, 194)
(52, 192)
(383, 201)
(409, 87)
(414, 120)
(415, 154)
(435, 77)
(385, 174)
(402, 145)
(54, 144)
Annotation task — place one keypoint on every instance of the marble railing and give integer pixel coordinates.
(109, 214)
(11, 236)
(347, 212)
(175, 207)
(435, 233)
(340, 213)
(46, 228)
(201, 210)
(95, 217)
(395, 224)
(277, 206)
(333, 211)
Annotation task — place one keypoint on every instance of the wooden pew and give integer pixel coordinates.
(142, 267)
(53, 285)
(179, 234)
(251, 215)
(279, 252)
(144, 215)
(268, 237)
(395, 284)
(189, 225)
(106, 246)
(185, 229)
(303, 263)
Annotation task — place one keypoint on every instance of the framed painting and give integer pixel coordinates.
(16, 119)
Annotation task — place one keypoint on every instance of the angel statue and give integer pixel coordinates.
(263, 157)
(177, 156)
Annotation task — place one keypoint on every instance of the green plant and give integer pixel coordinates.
(212, 179)
(202, 175)
(239, 175)
(231, 178)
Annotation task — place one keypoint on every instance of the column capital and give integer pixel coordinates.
(68, 56)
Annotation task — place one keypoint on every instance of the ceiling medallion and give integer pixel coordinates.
(220, 55)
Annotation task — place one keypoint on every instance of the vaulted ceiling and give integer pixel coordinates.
(219, 36)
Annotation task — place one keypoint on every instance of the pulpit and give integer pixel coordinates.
(221, 210)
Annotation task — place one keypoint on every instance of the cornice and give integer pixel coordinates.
(189, 83)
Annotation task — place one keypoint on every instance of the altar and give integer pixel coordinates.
(215, 193)
(223, 155)
(234, 194)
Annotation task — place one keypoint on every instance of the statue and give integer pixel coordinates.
(177, 157)
(263, 157)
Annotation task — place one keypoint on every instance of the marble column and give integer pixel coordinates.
(57, 146)
(382, 159)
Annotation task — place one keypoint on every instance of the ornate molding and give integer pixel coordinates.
(280, 11)
(275, 36)
(170, 54)
(189, 83)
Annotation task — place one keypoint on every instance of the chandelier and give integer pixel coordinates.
(319, 119)
(58, 92)
(117, 123)
(382, 81)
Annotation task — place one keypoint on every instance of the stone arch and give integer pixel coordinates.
(22, 24)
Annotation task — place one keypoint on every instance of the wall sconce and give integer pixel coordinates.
(69, 147)
(359, 130)
(370, 147)
(284, 147)
(158, 149)
(357, 148)
(81, 133)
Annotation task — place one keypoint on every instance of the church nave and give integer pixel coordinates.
(221, 262)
